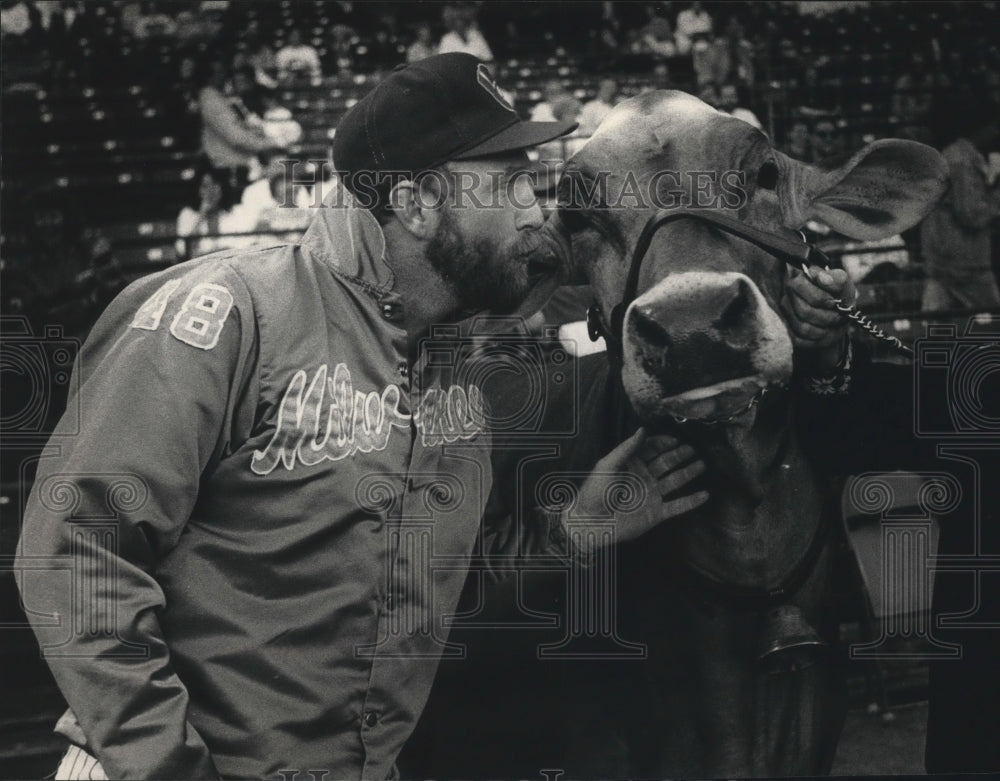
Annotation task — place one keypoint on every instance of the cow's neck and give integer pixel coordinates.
(743, 458)
(764, 508)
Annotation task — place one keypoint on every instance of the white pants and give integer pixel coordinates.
(77, 763)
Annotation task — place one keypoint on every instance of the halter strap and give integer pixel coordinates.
(797, 253)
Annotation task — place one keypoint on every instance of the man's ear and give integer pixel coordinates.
(882, 190)
(413, 209)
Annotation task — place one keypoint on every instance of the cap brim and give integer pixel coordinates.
(521, 135)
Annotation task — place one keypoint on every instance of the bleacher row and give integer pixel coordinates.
(126, 156)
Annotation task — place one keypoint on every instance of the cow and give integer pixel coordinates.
(721, 660)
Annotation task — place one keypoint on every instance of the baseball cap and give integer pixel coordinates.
(445, 107)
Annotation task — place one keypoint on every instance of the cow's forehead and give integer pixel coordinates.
(663, 127)
(650, 118)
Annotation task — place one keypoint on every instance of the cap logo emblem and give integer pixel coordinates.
(483, 77)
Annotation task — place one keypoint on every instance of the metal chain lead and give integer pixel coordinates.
(859, 317)
(855, 314)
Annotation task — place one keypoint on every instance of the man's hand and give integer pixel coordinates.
(663, 466)
(816, 327)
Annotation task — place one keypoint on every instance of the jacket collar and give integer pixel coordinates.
(349, 240)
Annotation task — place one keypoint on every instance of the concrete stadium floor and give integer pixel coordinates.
(871, 747)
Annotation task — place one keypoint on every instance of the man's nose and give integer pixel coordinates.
(529, 214)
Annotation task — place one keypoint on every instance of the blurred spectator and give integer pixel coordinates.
(258, 106)
(18, 17)
(259, 196)
(657, 38)
(261, 57)
(288, 206)
(254, 52)
(227, 139)
(552, 93)
(214, 212)
(145, 20)
(64, 23)
(278, 123)
(296, 58)
(911, 100)
(729, 103)
(594, 111)
(797, 141)
(463, 34)
(342, 48)
(694, 29)
(423, 46)
(955, 237)
(730, 57)
(825, 140)
(193, 24)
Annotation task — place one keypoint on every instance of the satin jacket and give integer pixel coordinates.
(250, 529)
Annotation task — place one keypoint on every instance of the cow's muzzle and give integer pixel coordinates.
(702, 346)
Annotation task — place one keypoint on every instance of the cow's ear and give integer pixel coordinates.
(887, 187)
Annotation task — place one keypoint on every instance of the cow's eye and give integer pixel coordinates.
(767, 176)
(572, 217)
(571, 214)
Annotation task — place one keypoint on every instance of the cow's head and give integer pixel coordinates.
(705, 333)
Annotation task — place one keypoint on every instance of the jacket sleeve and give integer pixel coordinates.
(219, 115)
(158, 379)
(512, 539)
(870, 420)
(524, 516)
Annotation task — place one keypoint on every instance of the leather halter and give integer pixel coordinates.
(796, 253)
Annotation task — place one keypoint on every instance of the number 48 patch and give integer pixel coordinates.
(200, 319)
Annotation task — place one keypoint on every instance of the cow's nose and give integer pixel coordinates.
(695, 330)
(724, 312)
(736, 306)
(649, 329)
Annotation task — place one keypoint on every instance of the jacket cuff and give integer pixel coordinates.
(836, 382)
(563, 542)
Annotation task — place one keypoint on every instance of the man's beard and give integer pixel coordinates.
(482, 275)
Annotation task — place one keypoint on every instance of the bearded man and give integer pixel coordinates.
(268, 458)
